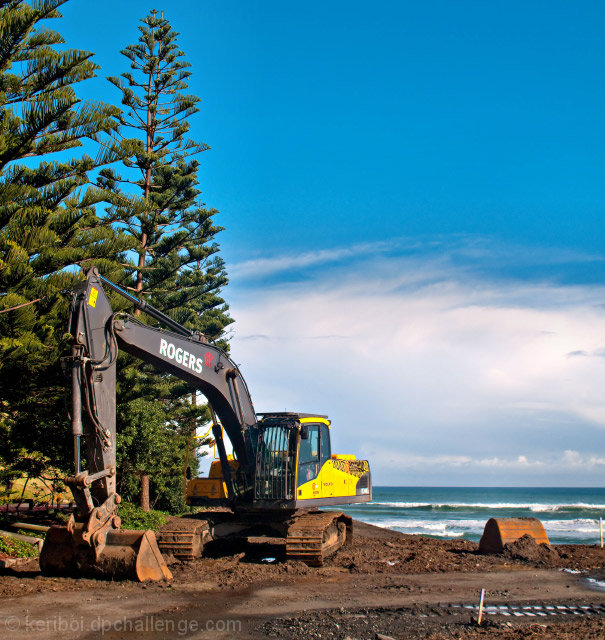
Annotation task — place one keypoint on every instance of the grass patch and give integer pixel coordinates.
(36, 490)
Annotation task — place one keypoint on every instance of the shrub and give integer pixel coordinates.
(134, 517)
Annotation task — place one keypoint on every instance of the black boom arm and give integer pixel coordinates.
(98, 334)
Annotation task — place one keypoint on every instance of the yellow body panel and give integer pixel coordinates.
(336, 479)
(315, 420)
(213, 487)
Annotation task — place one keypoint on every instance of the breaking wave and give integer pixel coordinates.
(464, 506)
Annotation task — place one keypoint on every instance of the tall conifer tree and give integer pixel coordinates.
(48, 219)
(178, 268)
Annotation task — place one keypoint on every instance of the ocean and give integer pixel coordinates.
(568, 515)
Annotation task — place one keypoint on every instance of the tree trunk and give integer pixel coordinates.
(149, 130)
(185, 479)
(145, 492)
(190, 436)
(22, 494)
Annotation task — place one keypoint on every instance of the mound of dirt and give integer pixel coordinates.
(381, 584)
(527, 550)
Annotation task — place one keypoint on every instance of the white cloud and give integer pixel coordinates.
(265, 266)
(565, 465)
(431, 363)
(443, 250)
(574, 460)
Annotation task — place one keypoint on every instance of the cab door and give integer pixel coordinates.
(315, 463)
(325, 462)
(308, 456)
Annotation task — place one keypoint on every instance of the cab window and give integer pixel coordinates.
(325, 450)
(308, 455)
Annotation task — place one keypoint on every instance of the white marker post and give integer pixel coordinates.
(481, 606)
(601, 530)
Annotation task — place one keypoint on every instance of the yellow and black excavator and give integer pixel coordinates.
(281, 471)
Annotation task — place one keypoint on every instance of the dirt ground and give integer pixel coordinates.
(382, 585)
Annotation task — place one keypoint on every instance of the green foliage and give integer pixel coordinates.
(178, 267)
(17, 548)
(60, 517)
(29, 475)
(148, 443)
(134, 517)
(50, 232)
(48, 220)
(8, 475)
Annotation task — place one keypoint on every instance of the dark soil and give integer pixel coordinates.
(373, 551)
(395, 623)
(358, 593)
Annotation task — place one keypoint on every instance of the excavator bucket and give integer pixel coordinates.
(125, 555)
(501, 531)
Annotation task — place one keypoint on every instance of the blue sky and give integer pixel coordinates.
(412, 196)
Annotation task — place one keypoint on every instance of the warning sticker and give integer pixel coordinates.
(92, 298)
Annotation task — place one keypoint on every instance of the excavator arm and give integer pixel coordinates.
(92, 538)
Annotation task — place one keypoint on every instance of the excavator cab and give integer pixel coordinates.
(295, 467)
(275, 472)
(313, 452)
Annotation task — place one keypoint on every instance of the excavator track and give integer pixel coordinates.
(315, 535)
(184, 538)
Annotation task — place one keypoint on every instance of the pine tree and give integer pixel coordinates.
(175, 234)
(48, 221)
(178, 268)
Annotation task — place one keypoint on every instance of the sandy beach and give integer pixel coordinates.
(383, 584)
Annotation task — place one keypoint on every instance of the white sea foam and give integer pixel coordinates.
(404, 505)
(532, 506)
(443, 528)
(579, 525)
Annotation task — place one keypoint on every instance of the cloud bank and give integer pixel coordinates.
(429, 361)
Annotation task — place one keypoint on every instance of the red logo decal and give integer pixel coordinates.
(208, 359)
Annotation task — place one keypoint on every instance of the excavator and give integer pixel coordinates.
(281, 472)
